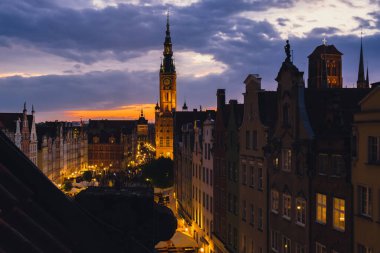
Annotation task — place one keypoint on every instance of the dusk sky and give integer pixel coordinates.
(100, 58)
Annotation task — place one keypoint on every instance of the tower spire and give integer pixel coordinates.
(168, 62)
(367, 78)
(361, 82)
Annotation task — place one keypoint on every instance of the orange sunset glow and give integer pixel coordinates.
(123, 112)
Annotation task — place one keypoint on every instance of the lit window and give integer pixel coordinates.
(321, 208)
(286, 247)
(275, 196)
(365, 201)
(275, 163)
(319, 248)
(339, 214)
(300, 211)
(287, 205)
(286, 159)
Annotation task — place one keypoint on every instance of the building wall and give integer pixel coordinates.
(220, 176)
(233, 175)
(253, 173)
(365, 175)
(202, 172)
(164, 135)
(288, 178)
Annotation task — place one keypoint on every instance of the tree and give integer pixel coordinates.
(159, 172)
(87, 176)
(67, 186)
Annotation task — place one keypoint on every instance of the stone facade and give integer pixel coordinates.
(62, 149)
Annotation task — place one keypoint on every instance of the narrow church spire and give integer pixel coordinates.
(367, 78)
(361, 83)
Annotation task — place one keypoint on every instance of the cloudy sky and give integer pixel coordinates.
(85, 59)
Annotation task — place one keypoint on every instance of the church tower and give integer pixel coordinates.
(325, 67)
(168, 100)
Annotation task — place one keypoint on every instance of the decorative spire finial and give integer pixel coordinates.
(33, 109)
(324, 41)
(24, 107)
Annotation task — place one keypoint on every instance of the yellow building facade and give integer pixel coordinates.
(366, 174)
(168, 101)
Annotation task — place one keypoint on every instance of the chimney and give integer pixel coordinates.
(221, 98)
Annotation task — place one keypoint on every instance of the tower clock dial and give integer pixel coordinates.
(167, 83)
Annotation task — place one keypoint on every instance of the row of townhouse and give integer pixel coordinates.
(294, 170)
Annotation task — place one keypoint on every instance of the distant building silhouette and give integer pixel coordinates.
(325, 67)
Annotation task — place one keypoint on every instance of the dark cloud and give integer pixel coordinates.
(85, 36)
(67, 92)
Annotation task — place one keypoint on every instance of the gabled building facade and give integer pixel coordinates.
(21, 130)
(259, 114)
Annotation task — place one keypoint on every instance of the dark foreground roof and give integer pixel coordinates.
(35, 216)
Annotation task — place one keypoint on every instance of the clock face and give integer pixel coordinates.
(166, 81)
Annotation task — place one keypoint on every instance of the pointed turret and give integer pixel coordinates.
(367, 78)
(33, 132)
(184, 107)
(18, 133)
(157, 107)
(168, 63)
(361, 83)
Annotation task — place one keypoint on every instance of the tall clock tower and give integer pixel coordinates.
(168, 100)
